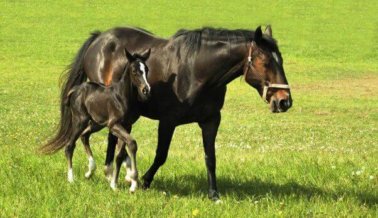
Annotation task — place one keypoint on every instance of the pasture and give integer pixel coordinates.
(319, 159)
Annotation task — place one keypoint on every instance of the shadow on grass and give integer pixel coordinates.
(256, 188)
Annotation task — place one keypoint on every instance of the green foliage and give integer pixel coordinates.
(319, 159)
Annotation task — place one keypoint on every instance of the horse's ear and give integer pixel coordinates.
(129, 56)
(268, 31)
(146, 54)
(258, 35)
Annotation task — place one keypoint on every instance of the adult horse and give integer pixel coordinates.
(188, 77)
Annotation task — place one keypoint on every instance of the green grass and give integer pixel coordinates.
(319, 159)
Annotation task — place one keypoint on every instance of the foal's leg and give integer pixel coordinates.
(119, 159)
(88, 150)
(165, 136)
(77, 129)
(209, 133)
(91, 128)
(127, 160)
(131, 147)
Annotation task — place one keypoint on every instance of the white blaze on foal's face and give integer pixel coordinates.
(274, 54)
(142, 68)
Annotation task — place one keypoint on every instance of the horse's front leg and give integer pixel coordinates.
(112, 143)
(165, 134)
(209, 132)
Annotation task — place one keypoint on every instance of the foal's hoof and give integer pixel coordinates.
(133, 187)
(113, 185)
(128, 178)
(88, 174)
(70, 176)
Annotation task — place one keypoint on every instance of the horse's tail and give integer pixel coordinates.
(63, 135)
(75, 74)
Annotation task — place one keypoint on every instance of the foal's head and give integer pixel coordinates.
(264, 71)
(137, 69)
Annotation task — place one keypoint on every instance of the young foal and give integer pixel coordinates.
(90, 107)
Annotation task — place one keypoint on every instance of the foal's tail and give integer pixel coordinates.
(63, 135)
(73, 76)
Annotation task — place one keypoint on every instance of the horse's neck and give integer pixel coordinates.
(212, 67)
(230, 66)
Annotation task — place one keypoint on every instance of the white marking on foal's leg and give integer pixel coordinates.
(70, 176)
(134, 185)
(91, 167)
(113, 184)
(128, 174)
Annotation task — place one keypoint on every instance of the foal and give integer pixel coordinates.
(90, 107)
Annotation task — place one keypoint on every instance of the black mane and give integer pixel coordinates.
(195, 38)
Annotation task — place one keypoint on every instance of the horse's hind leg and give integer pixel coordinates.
(131, 147)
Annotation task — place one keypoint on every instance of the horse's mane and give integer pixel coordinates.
(193, 39)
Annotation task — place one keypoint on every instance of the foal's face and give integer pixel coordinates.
(138, 73)
(266, 67)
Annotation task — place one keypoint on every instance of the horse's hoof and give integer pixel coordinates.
(108, 171)
(214, 196)
(146, 185)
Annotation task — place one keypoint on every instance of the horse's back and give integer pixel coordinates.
(105, 58)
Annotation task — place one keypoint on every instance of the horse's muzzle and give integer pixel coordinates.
(280, 105)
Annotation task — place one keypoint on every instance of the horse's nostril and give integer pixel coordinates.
(284, 104)
(145, 91)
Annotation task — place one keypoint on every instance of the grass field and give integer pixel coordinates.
(317, 160)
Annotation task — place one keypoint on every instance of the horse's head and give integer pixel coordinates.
(264, 71)
(138, 73)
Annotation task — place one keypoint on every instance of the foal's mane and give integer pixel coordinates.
(194, 39)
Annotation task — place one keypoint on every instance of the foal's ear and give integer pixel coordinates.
(268, 31)
(129, 56)
(146, 54)
(258, 35)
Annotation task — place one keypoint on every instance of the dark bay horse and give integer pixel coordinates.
(190, 72)
(89, 107)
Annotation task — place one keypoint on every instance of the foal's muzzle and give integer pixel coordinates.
(144, 93)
